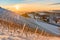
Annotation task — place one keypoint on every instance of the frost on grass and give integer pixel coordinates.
(15, 33)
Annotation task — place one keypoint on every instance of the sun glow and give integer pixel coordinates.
(17, 7)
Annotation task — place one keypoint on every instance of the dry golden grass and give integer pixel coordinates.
(24, 31)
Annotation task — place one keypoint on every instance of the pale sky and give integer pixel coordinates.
(9, 2)
(31, 4)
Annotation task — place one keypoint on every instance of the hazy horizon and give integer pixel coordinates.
(30, 5)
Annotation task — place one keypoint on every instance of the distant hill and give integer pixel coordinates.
(56, 11)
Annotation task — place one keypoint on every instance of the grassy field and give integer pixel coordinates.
(13, 31)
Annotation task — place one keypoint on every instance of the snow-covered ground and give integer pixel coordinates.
(11, 17)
